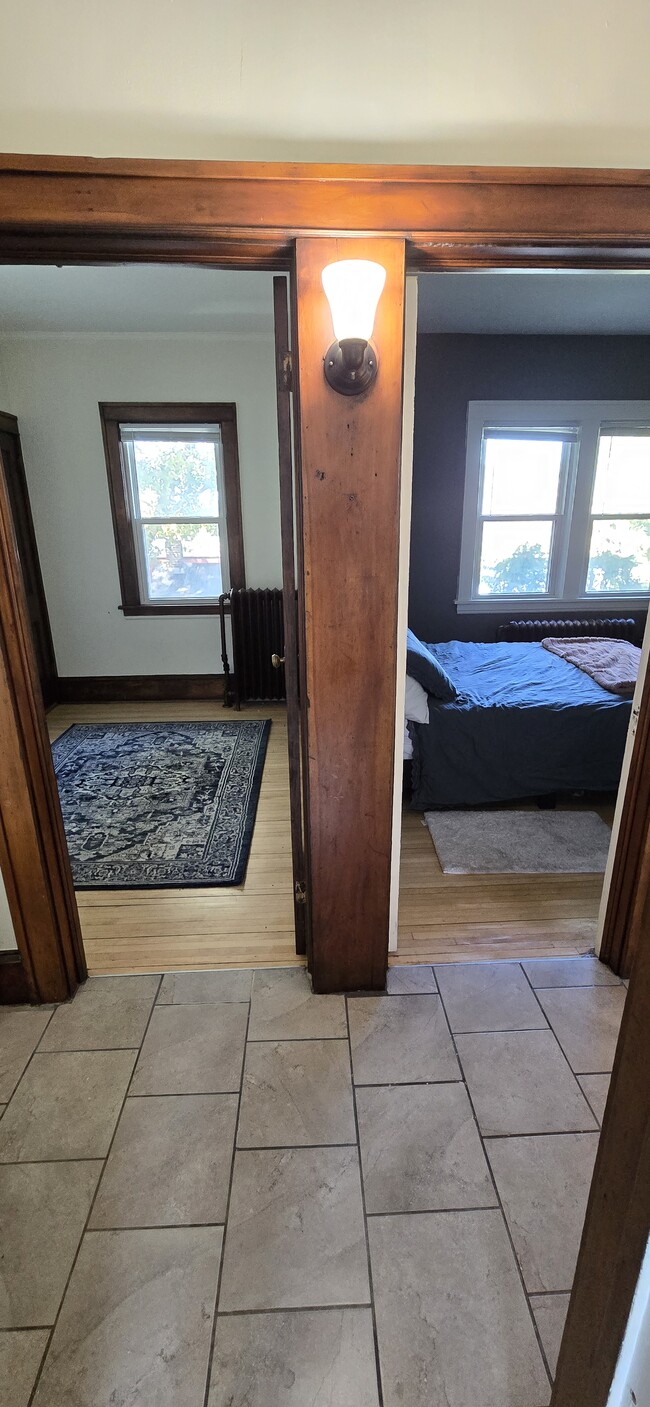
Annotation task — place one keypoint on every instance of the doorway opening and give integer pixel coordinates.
(140, 450)
(529, 532)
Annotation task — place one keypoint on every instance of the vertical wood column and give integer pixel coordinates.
(33, 852)
(350, 475)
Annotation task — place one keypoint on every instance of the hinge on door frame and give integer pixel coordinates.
(285, 372)
(300, 891)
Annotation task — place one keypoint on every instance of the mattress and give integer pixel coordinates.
(525, 723)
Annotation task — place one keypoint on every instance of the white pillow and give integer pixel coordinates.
(416, 709)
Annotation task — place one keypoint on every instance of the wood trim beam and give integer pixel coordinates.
(350, 477)
(247, 214)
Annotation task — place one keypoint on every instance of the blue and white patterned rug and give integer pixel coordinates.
(160, 805)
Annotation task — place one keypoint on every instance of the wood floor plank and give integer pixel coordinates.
(442, 918)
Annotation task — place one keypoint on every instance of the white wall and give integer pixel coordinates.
(436, 80)
(631, 1383)
(54, 385)
(406, 483)
(7, 935)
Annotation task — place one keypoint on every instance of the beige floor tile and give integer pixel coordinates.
(295, 1234)
(67, 1106)
(596, 1088)
(544, 1185)
(20, 1359)
(20, 1033)
(420, 1149)
(170, 1162)
(43, 1210)
(519, 1082)
(192, 1050)
(292, 1359)
(404, 979)
(212, 987)
(136, 1322)
(586, 1021)
(570, 972)
(106, 1013)
(488, 997)
(284, 1008)
(296, 1092)
(400, 1040)
(550, 1313)
(452, 1320)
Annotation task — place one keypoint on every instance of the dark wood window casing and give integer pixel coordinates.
(112, 416)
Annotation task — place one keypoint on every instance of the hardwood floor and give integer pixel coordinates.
(462, 918)
(442, 918)
(156, 930)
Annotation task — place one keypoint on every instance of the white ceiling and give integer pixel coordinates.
(594, 301)
(167, 299)
(134, 298)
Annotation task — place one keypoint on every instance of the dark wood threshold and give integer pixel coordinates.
(14, 984)
(146, 688)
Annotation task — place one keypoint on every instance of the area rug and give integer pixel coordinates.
(519, 842)
(160, 805)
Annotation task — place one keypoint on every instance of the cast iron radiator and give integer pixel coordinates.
(614, 627)
(257, 627)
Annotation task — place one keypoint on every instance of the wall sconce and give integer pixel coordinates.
(353, 288)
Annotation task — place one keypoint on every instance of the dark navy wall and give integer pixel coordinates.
(454, 369)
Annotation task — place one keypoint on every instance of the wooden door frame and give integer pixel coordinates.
(61, 209)
(625, 916)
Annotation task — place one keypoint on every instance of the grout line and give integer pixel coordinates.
(159, 1226)
(286, 1147)
(557, 1038)
(375, 1333)
(90, 1050)
(404, 1084)
(436, 1211)
(501, 1209)
(292, 1309)
(91, 1207)
(505, 1031)
(536, 1133)
(183, 1093)
(215, 1311)
(24, 1071)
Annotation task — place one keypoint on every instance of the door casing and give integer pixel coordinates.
(61, 209)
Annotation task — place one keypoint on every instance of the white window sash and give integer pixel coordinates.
(581, 423)
(139, 521)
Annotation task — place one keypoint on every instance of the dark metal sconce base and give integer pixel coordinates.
(350, 366)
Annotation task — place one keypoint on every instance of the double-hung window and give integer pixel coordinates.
(557, 505)
(174, 486)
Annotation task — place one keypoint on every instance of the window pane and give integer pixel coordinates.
(514, 558)
(176, 478)
(182, 562)
(622, 474)
(619, 556)
(521, 475)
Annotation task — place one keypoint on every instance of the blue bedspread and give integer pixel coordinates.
(525, 723)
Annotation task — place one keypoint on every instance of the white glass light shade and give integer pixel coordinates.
(353, 288)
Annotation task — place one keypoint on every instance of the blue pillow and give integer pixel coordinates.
(424, 667)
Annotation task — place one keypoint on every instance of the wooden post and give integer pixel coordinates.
(350, 473)
(33, 852)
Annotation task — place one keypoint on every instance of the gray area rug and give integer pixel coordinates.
(160, 805)
(519, 842)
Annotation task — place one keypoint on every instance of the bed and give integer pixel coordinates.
(525, 723)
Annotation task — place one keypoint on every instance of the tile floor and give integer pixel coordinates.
(217, 1190)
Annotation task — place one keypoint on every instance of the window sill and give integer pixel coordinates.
(540, 605)
(208, 608)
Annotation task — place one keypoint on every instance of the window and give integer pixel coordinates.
(174, 483)
(557, 505)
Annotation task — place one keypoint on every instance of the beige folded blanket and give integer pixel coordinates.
(614, 664)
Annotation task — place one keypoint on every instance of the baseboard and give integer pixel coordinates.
(132, 688)
(14, 987)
